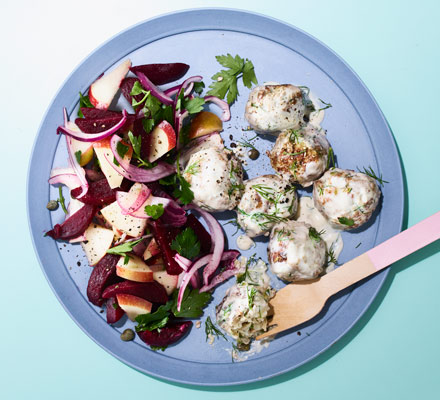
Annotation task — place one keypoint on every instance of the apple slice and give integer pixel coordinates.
(151, 250)
(104, 89)
(104, 152)
(132, 226)
(133, 305)
(162, 140)
(169, 282)
(135, 270)
(205, 123)
(99, 240)
(85, 149)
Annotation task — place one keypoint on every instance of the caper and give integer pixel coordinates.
(253, 154)
(127, 335)
(52, 205)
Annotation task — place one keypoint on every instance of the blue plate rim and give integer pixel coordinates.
(241, 375)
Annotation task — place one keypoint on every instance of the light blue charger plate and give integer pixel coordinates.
(355, 127)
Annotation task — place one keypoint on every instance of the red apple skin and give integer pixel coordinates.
(163, 132)
(151, 291)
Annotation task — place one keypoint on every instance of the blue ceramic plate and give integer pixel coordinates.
(356, 129)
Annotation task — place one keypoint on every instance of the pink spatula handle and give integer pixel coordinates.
(406, 242)
(382, 256)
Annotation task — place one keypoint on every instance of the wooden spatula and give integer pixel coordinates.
(298, 302)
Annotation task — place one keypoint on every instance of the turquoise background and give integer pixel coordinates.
(393, 352)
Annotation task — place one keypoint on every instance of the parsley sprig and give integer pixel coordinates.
(186, 243)
(123, 249)
(225, 82)
(182, 191)
(136, 142)
(84, 102)
(155, 211)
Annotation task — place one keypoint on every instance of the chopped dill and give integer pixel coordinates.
(330, 158)
(315, 235)
(331, 259)
(193, 169)
(327, 105)
(61, 200)
(358, 245)
(286, 153)
(235, 223)
(294, 135)
(370, 172)
(251, 296)
(211, 329)
(247, 143)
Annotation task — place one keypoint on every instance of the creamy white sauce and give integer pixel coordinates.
(256, 347)
(316, 117)
(244, 242)
(332, 237)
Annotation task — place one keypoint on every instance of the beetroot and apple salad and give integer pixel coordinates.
(130, 205)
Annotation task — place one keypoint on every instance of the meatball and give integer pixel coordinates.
(346, 198)
(272, 108)
(300, 155)
(266, 200)
(244, 310)
(296, 252)
(216, 178)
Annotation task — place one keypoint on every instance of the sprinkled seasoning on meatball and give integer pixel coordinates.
(296, 252)
(272, 108)
(346, 198)
(266, 200)
(300, 155)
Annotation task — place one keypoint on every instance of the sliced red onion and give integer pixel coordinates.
(178, 123)
(182, 261)
(155, 91)
(79, 171)
(187, 277)
(226, 116)
(92, 137)
(128, 209)
(69, 180)
(136, 174)
(218, 241)
(230, 269)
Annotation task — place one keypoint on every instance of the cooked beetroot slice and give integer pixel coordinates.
(90, 125)
(103, 275)
(114, 312)
(200, 231)
(93, 175)
(164, 238)
(75, 225)
(126, 88)
(99, 193)
(151, 291)
(95, 113)
(168, 335)
(160, 74)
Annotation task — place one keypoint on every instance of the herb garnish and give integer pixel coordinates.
(245, 276)
(370, 172)
(122, 149)
(84, 102)
(186, 243)
(251, 296)
(61, 200)
(192, 304)
(225, 81)
(235, 223)
(155, 211)
(315, 235)
(78, 155)
(346, 221)
(136, 142)
(123, 249)
(198, 87)
(184, 192)
(247, 143)
(327, 105)
(330, 158)
(211, 330)
(330, 255)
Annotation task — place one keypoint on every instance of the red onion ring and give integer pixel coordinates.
(136, 174)
(228, 256)
(69, 180)
(155, 91)
(144, 193)
(91, 137)
(218, 241)
(226, 116)
(183, 262)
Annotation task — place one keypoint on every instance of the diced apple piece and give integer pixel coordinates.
(133, 305)
(205, 123)
(169, 282)
(85, 148)
(104, 152)
(104, 89)
(135, 270)
(162, 140)
(151, 250)
(132, 226)
(99, 240)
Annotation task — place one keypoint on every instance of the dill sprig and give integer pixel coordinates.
(61, 200)
(370, 172)
(212, 330)
(315, 235)
(327, 105)
(247, 143)
(235, 223)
